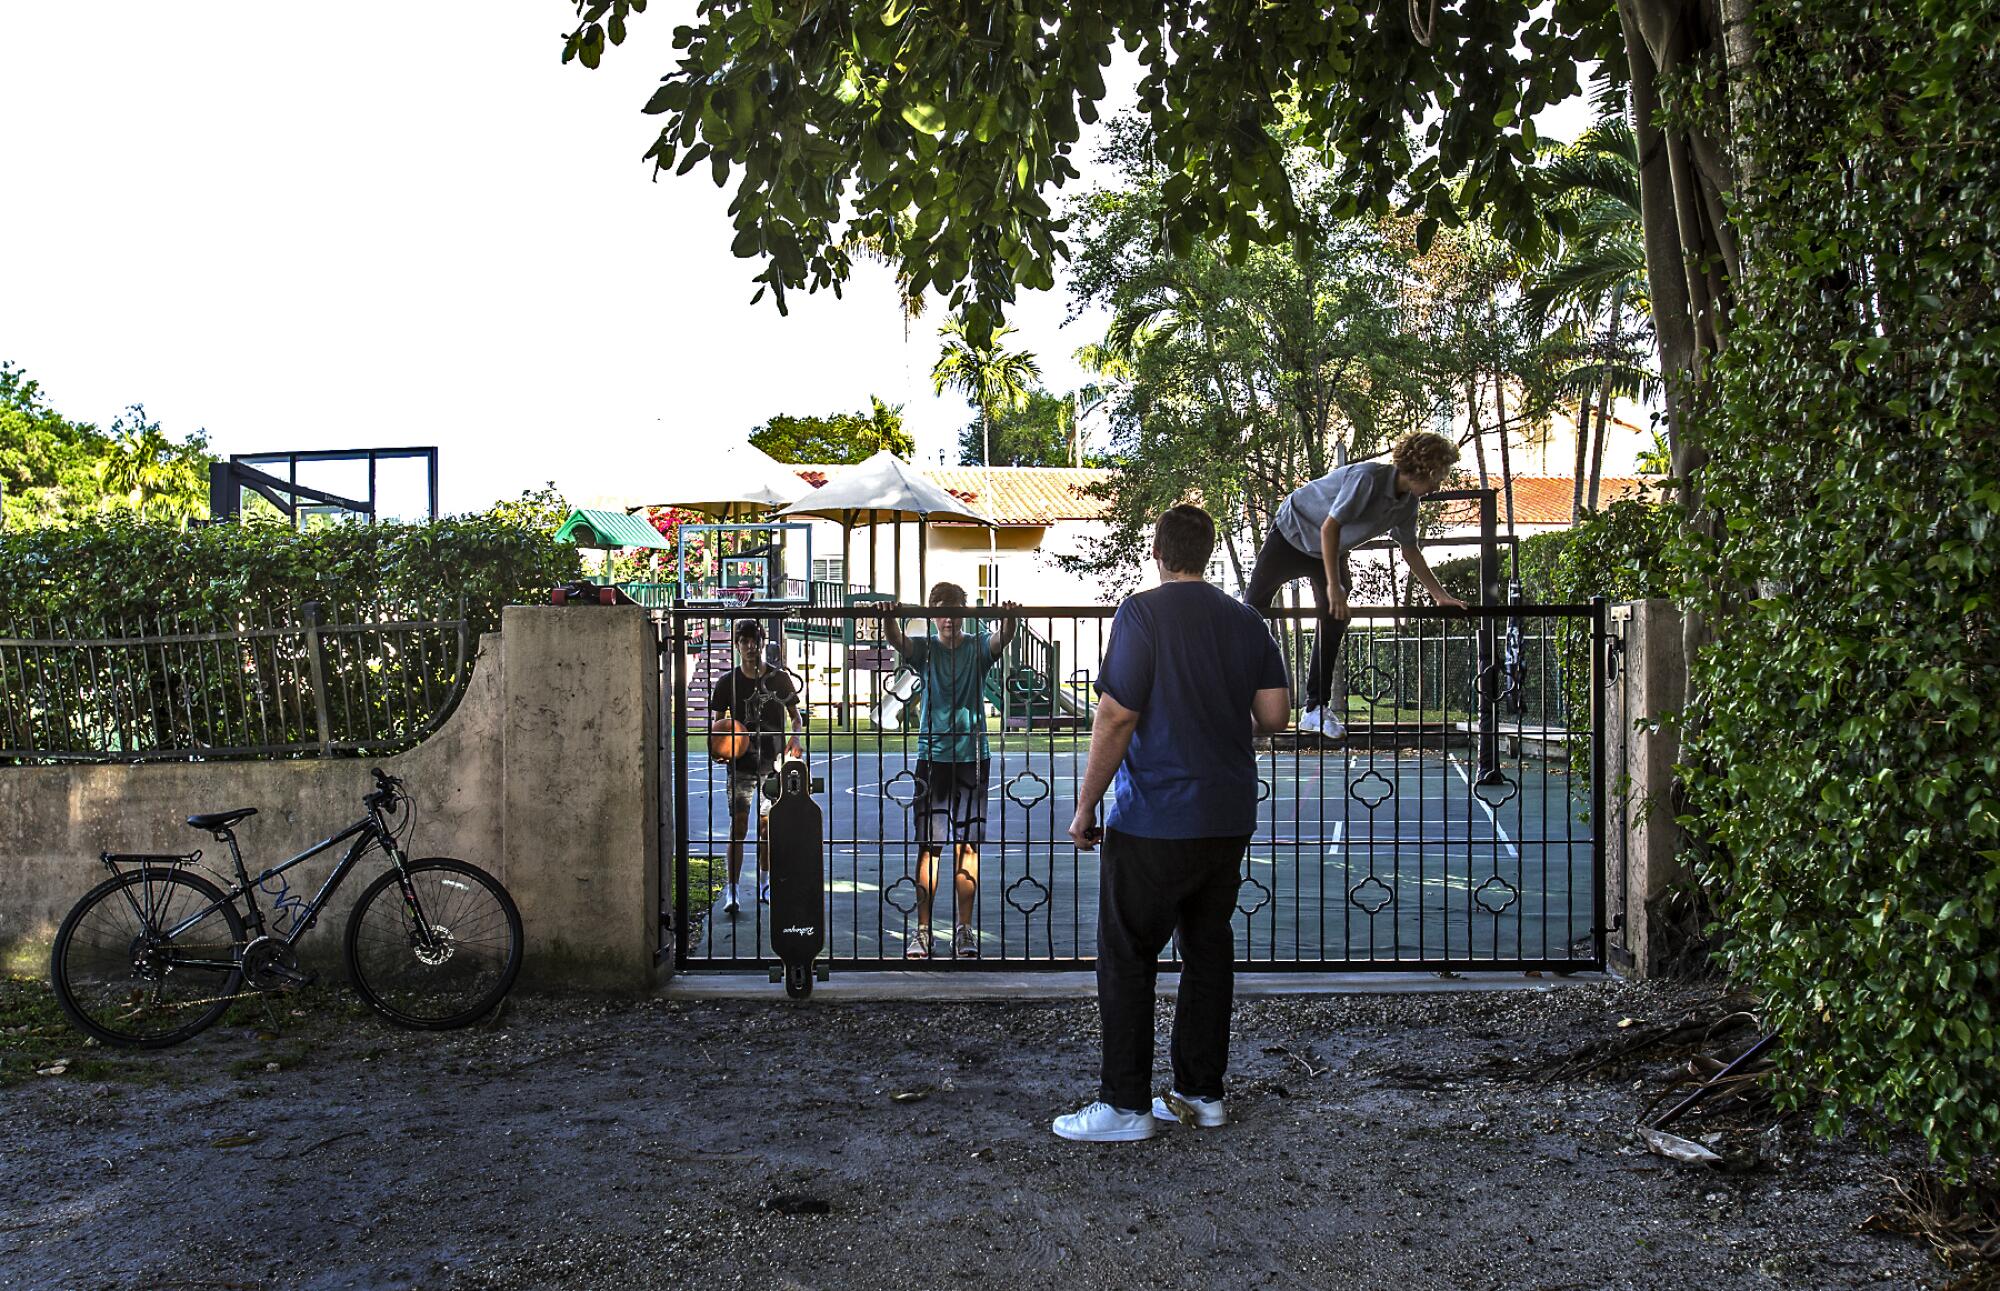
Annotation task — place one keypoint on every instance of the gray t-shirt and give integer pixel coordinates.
(1362, 496)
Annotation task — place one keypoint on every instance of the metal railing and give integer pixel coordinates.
(1449, 829)
(261, 685)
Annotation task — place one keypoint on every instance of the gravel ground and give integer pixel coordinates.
(1404, 1142)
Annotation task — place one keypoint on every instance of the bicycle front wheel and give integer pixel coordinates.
(441, 953)
(127, 972)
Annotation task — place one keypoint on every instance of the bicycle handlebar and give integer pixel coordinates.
(386, 786)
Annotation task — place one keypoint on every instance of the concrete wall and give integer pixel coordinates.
(544, 776)
(1642, 868)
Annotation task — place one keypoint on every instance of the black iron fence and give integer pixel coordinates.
(1447, 828)
(311, 682)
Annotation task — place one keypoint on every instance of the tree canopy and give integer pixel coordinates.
(1036, 433)
(56, 471)
(842, 438)
(838, 120)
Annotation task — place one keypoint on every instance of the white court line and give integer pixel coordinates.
(1459, 767)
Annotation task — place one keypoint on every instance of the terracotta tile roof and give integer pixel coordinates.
(1545, 499)
(1012, 495)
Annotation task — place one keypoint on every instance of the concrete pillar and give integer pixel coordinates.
(1641, 838)
(581, 807)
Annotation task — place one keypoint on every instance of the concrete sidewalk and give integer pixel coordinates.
(959, 984)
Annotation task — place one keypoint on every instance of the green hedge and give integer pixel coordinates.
(118, 569)
(262, 691)
(1845, 744)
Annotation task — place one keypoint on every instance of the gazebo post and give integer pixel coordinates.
(923, 550)
(899, 558)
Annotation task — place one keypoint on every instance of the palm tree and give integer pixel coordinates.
(992, 377)
(1593, 284)
(149, 472)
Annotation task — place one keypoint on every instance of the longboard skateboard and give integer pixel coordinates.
(798, 881)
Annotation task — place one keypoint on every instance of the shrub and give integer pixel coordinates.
(114, 569)
(1845, 724)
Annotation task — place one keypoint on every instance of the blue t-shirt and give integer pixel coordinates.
(954, 716)
(1188, 659)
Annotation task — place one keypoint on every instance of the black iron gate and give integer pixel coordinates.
(1453, 827)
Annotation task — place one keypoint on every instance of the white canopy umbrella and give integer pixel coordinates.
(885, 490)
(732, 482)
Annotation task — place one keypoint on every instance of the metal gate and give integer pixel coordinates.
(1453, 828)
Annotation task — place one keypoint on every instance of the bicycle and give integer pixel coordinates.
(156, 953)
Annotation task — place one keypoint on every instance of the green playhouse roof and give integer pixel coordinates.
(610, 529)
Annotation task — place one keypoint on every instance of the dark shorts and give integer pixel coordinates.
(951, 802)
(744, 786)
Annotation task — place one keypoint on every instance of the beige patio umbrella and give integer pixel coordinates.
(734, 482)
(884, 490)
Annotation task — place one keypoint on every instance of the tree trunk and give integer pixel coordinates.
(1506, 462)
(1604, 396)
(1472, 417)
(1582, 445)
(1235, 557)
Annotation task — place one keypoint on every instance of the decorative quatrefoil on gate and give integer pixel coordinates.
(894, 790)
(1083, 677)
(1371, 789)
(1373, 683)
(1490, 683)
(1029, 797)
(1495, 789)
(1263, 788)
(1372, 895)
(1495, 889)
(1263, 895)
(895, 895)
(1034, 887)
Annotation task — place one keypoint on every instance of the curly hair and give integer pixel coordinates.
(1424, 454)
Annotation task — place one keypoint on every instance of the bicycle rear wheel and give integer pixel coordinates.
(444, 956)
(121, 976)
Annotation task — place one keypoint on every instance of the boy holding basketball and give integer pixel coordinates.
(954, 761)
(748, 713)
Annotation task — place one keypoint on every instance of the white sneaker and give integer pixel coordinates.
(1317, 721)
(1103, 1123)
(1202, 1113)
(729, 901)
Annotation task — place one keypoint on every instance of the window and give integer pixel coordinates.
(989, 584)
(829, 570)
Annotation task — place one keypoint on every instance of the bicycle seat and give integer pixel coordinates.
(220, 819)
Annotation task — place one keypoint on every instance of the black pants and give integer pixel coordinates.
(1278, 563)
(1150, 888)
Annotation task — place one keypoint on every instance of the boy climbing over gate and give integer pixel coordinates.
(954, 759)
(1326, 518)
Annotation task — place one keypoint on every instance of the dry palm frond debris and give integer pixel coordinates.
(1960, 1221)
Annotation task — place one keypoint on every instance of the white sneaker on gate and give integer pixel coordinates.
(1317, 721)
(1103, 1123)
(729, 901)
(1202, 1113)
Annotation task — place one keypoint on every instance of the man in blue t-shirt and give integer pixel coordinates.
(1186, 674)
(954, 760)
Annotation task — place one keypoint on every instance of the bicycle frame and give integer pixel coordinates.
(368, 829)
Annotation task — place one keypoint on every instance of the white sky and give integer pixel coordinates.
(379, 224)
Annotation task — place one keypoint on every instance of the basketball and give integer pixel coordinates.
(728, 740)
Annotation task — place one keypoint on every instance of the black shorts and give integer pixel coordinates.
(951, 802)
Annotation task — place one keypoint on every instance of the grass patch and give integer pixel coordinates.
(36, 1037)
